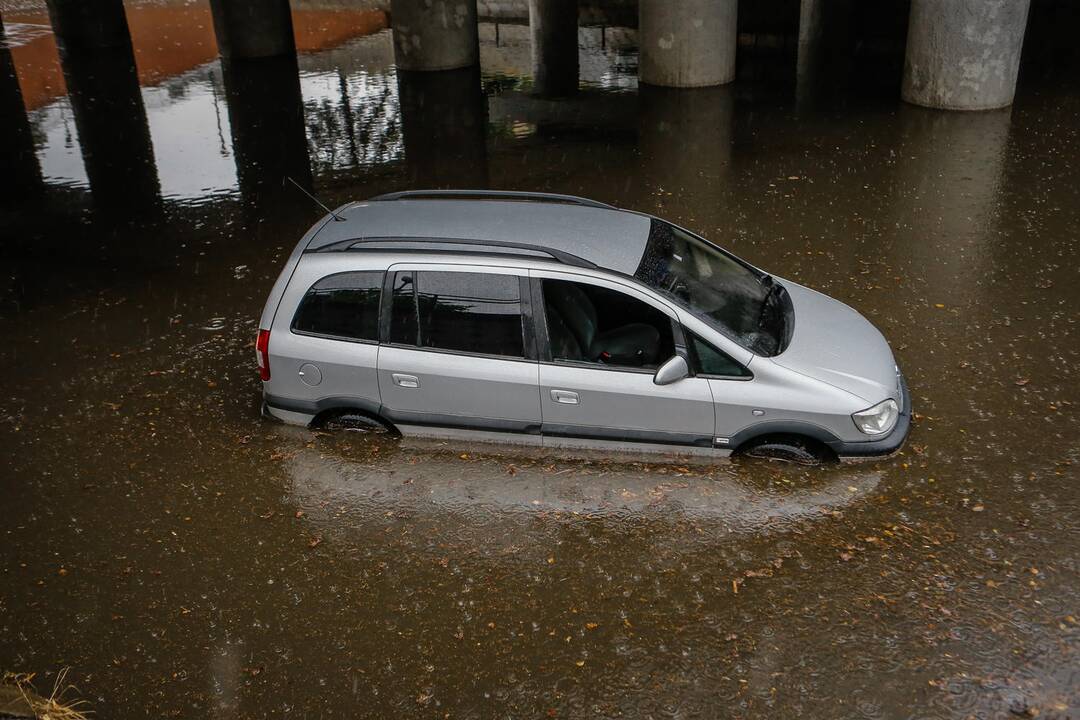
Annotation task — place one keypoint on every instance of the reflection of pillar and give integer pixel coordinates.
(964, 54)
(687, 43)
(99, 69)
(684, 138)
(444, 118)
(266, 119)
(810, 30)
(21, 178)
(435, 34)
(553, 24)
(953, 166)
(253, 28)
(826, 52)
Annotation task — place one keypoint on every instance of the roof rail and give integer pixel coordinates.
(358, 243)
(495, 195)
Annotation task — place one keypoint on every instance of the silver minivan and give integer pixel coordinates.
(560, 321)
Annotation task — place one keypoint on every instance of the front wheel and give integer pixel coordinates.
(788, 448)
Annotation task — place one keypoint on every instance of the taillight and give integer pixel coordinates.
(262, 353)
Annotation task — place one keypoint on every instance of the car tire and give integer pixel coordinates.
(352, 421)
(788, 448)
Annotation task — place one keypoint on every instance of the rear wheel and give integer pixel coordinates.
(353, 421)
(788, 448)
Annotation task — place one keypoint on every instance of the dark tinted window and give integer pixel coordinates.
(468, 312)
(711, 361)
(403, 320)
(344, 305)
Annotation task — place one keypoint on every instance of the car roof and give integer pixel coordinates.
(607, 237)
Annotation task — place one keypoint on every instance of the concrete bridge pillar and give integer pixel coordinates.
(106, 101)
(444, 120)
(253, 28)
(22, 177)
(434, 34)
(554, 28)
(687, 43)
(964, 54)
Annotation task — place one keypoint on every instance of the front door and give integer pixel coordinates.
(458, 353)
(602, 342)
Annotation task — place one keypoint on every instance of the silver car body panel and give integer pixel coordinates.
(836, 364)
(612, 239)
(839, 346)
(614, 403)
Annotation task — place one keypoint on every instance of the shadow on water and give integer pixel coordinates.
(186, 557)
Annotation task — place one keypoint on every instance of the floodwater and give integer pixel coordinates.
(187, 558)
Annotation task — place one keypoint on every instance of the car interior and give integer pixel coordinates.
(588, 323)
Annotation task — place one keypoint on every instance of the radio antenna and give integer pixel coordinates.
(315, 200)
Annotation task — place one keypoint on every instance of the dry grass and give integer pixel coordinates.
(55, 707)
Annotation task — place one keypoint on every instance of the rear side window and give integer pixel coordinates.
(711, 361)
(345, 305)
(461, 311)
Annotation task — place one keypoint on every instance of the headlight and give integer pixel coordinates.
(879, 419)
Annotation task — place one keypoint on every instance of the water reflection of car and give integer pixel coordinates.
(555, 320)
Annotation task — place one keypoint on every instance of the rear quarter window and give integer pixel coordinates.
(345, 305)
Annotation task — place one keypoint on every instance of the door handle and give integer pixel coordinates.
(406, 381)
(566, 397)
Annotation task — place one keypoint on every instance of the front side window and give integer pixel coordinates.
(460, 311)
(592, 324)
(710, 361)
(345, 305)
(745, 304)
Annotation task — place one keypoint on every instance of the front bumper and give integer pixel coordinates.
(882, 446)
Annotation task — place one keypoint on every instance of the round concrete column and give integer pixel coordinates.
(434, 34)
(687, 43)
(964, 54)
(253, 28)
(554, 28)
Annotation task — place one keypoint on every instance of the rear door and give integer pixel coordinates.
(587, 398)
(458, 349)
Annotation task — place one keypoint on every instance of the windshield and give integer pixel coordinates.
(743, 303)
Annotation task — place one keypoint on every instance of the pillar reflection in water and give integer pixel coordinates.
(826, 49)
(444, 118)
(952, 165)
(103, 87)
(684, 138)
(266, 119)
(554, 31)
(21, 178)
(253, 28)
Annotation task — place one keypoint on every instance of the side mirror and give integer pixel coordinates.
(673, 370)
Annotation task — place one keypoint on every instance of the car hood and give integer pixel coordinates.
(835, 344)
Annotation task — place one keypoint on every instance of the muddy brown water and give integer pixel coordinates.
(185, 557)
